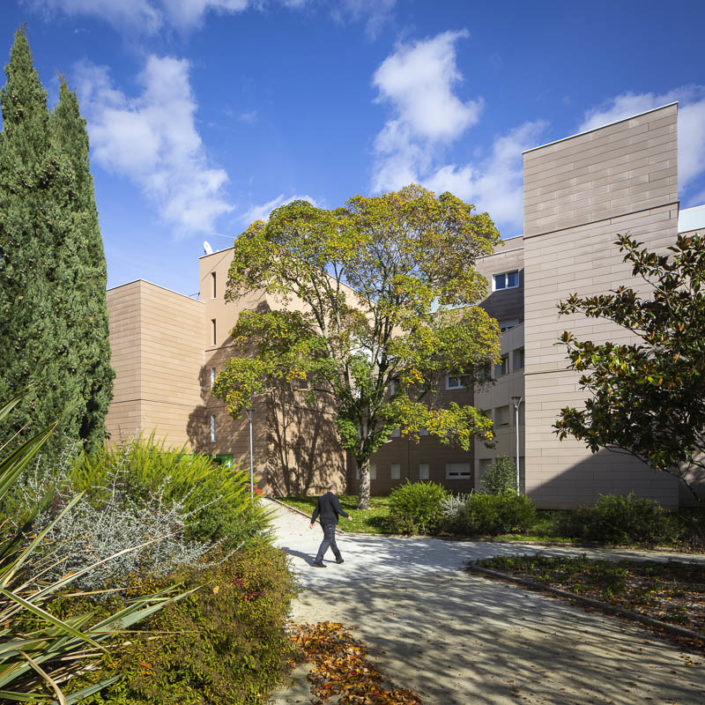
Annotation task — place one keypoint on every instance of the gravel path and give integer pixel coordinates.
(458, 639)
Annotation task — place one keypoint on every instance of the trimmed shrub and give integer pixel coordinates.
(224, 644)
(619, 519)
(501, 477)
(416, 507)
(488, 514)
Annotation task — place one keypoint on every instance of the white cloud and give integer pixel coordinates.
(418, 80)
(263, 211)
(248, 117)
(375, 13)
(494, 184)
(691, 124)
(149, 16)
(143, 14)
(152, 140)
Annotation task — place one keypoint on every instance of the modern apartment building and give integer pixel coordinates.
(579, 193)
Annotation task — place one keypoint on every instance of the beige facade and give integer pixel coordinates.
(579, 193)
(155, 337)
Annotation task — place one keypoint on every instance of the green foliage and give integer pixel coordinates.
(218, 497)
(53, 318)
(618, 519)
(37, 647)
(390, 294)
(481, 514)
(225, 644)
(646, 397)
(415, 507)
(501, 477)
(80, 286)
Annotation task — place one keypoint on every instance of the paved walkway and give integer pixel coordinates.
(458, 639)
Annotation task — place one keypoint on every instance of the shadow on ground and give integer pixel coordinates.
(458, 639)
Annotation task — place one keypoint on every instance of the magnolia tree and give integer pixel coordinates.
(378, 302)
(647, 397)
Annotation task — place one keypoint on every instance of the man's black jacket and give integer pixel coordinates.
(329, 508)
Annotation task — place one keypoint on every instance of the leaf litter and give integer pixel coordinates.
(341, 668)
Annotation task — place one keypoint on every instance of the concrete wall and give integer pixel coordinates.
(579, 193)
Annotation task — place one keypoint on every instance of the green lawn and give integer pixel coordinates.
(368, 521)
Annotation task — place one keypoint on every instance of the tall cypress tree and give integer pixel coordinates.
(83, 269)
(53, 316)
(27, 174)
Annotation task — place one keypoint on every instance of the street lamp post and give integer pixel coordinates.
(252, 474)
(517, 402)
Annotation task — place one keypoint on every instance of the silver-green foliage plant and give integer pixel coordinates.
(500, 477)
(480, 513)
(107, 524)
(39, 651)
(215, 499)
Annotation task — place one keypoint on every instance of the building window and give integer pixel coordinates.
(505, 280)
(214, 290)
(395, 471)
(373, 472)
(457, 471)
(456, 381)
(501, 416)
(396, 432)
(393, 387)
(213, 331)
(213, 428)
(423, 471)
(502, 367)
(507, 325)
(212, 377)
(484, 466)
(518, 361)
(423, 431)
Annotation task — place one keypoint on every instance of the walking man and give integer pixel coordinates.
(329, 509)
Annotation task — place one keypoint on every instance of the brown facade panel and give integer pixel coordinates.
(615, 157)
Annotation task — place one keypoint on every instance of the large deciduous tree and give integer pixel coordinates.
(378, 300)
(647, 397)
(53, 316)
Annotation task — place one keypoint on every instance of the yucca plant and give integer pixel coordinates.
(38, 651)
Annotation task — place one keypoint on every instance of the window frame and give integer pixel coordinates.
(505, 279)
(501, 368)
(466, 473)
(460, 378)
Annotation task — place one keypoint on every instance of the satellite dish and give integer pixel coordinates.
(207, 247)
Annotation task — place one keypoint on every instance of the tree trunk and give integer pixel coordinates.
(364, 485)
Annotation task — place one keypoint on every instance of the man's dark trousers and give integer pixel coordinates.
(328, 540)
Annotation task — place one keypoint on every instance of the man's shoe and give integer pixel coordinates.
(339, 560)
(316, 564)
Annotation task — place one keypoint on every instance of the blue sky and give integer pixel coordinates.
(205, 114)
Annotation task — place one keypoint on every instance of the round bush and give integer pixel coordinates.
(619, 519)
(416, 507)
(490, 514)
